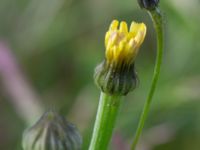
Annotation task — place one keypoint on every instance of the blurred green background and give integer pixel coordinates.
(49, 49)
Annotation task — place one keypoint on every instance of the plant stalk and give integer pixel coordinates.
(105, 121)
(158, 25)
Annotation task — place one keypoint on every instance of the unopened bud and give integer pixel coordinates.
(148, 4)
(52, 132)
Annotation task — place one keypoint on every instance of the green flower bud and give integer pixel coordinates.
(52, 132)
(148, 4)
(115, 80)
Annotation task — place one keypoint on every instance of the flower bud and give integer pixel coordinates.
(52, 132)
(148, 4)
(116, 74)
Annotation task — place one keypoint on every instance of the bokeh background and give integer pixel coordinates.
(49, 49)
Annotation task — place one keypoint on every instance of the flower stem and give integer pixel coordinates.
(105, 121)
(157, 21)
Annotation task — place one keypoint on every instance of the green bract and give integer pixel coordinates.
(115, 81)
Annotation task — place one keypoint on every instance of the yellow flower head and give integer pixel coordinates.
(122, 44)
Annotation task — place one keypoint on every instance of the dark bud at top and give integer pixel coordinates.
(148, 4)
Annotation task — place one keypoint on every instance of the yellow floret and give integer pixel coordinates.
(122, 45)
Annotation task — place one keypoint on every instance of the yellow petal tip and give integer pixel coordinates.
(123, 27)
(114, 25)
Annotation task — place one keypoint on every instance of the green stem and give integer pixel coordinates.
(105, 121)
(157, 20)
